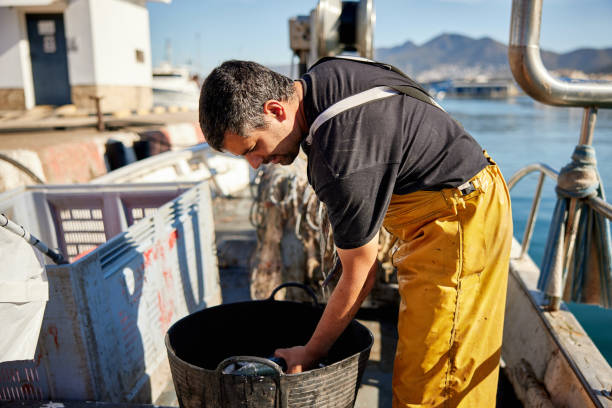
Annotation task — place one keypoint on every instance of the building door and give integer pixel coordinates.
(49, 59)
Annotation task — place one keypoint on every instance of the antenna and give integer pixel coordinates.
(168, 55)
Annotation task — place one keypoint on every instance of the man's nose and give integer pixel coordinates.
(253, 160)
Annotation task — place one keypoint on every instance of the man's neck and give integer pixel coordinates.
(299, 115)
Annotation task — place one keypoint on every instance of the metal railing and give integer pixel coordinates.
(544, 170)
(600, 206)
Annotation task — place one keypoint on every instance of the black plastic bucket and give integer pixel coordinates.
(202, 344)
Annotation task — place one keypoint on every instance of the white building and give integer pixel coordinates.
(57, 52)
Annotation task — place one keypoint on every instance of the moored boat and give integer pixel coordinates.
(174, 86)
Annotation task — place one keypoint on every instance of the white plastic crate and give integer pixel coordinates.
(231, 174)
(102, 336)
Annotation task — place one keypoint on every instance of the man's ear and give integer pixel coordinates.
(275, 108)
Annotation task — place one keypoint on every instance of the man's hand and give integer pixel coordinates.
(297, 359)
(358, 275)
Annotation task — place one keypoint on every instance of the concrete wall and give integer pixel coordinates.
(115, 98)
(120, 29)
(77, 22)
(14, 61)
(110, 54)
(103, 39)
(10, 61)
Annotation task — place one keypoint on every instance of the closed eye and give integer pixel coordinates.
(250, 150)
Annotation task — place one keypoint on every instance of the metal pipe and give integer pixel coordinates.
(541, 167)
(100, 120)
(31, 239)
(529, 71)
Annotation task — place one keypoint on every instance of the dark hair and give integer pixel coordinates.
(233, 96)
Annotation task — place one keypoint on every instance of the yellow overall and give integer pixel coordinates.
(452, 265)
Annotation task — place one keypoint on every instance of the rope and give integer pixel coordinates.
(577, 262)
(21, 167)
(579, 179)
(287, 189)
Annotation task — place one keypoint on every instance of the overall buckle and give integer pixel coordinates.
(467, 188)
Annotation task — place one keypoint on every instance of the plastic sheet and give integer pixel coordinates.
(24, 292)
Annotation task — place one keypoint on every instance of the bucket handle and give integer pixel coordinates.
(249, 359)
(278, 372)
(296, 285)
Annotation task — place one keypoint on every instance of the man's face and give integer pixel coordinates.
(263, 146)
(278, 142)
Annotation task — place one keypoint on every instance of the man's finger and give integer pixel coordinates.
(295, 369)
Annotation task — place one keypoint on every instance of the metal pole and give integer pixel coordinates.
(303, 64)
(589, 117)
(100, 123)
(31, 239)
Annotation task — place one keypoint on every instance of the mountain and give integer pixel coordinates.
(593, 61)
(458, 56)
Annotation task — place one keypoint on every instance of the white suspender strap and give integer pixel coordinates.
(372, 94)
(353, 58)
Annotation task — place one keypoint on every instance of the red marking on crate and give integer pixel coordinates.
(167, 278)
(160, 251)
(172, 239)
(129, 326)
(124, 318)
(53, 331)
(165, 312)
(148, 257)
(130, 335)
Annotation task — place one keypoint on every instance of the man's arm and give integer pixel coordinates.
(356, 281)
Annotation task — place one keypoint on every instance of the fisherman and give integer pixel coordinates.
(381, 152)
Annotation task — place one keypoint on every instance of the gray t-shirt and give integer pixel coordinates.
(396, 145)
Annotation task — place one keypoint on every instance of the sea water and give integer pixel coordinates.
(517, 132)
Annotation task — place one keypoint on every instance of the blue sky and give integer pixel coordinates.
(208, 32)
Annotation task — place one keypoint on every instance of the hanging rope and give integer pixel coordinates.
(286, 208)
(577, 263)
